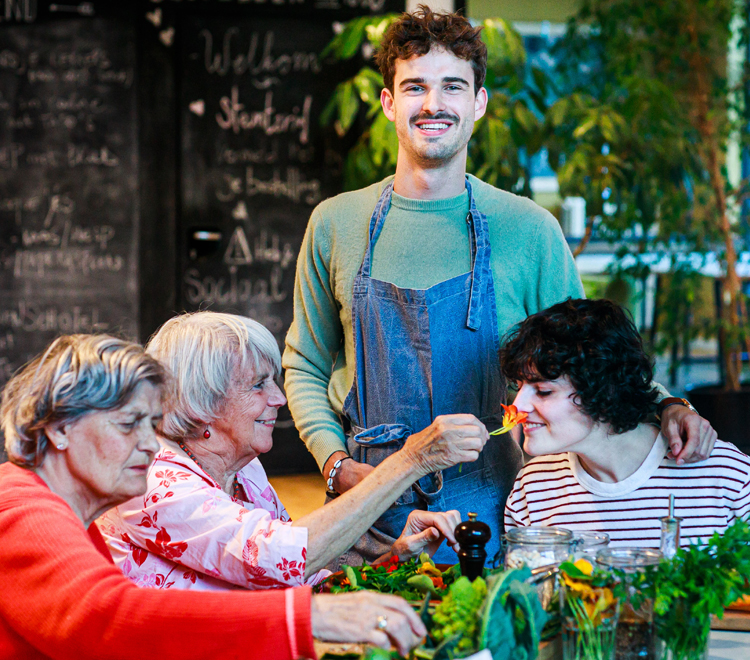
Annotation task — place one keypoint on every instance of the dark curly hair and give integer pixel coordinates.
(415, 34)
(595, 344)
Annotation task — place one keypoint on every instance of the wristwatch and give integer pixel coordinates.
(673, 401)
(331, 474)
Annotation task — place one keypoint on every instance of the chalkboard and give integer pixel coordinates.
(254, 164)
(160, 156)
(68, 182)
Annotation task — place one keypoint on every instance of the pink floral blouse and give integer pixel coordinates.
(187, 533)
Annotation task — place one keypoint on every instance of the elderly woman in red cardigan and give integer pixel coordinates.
(79, 425)
(210, 519)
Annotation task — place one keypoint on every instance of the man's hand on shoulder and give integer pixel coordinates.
(348, 474)
(691, 438)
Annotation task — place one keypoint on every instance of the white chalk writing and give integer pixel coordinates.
(31, 317)
(234, 117)
(234, 289)
(254, 62)
(294, 187)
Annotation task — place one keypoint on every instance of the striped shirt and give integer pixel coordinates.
(556, 491)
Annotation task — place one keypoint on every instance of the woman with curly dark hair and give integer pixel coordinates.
(585, 382)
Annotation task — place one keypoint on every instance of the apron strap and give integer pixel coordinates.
(478, 234)
(377, 219)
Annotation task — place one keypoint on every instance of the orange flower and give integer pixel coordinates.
(510, 419)
(438, 582)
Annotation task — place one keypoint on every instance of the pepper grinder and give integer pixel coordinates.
(472, 536)
(670, 532)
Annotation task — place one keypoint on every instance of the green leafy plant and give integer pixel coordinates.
(511, 132)
(641, 131)
(699, 581)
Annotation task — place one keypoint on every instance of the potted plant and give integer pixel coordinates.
(641, 130)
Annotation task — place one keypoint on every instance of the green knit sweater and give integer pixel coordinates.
(422, 243)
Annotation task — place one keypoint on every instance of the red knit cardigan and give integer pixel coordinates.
(62, 597)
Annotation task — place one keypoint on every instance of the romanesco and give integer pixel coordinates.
(458, 613)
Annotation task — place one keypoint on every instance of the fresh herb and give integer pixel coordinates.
(700, 580)
(512, 618)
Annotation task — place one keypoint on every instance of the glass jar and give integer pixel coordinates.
(588, 544)
(636, 634)
(589, 611)
(537, 546)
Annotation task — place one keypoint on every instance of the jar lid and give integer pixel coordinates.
(628, 558)
(586, 540)
(537, 535)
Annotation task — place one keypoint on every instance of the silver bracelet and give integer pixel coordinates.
(332, 473)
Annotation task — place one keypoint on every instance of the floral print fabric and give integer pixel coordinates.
(187, 533)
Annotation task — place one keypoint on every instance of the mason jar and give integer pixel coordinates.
(537, 546)
(636, 637)
(589, 544)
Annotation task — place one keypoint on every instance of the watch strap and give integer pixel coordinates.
(673, 401)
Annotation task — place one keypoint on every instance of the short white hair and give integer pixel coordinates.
(203, 350)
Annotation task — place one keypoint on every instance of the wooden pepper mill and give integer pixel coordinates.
(472, 536)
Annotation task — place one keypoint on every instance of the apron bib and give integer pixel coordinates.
(421, 353)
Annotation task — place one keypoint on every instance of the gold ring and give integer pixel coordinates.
(382, 623)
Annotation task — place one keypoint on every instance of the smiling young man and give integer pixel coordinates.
(585, 383)
(405, 287)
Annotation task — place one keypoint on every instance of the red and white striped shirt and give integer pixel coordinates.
(556, 491)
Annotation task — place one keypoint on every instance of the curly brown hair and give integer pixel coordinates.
(415, 34)
(595, 344)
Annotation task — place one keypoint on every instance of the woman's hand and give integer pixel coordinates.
(448, 441)
(424, 532)
(379, 619)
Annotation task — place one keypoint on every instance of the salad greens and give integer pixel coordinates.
(411, 579)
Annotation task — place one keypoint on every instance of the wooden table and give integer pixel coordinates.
(729, 640)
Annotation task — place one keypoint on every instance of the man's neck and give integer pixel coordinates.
(415, 181)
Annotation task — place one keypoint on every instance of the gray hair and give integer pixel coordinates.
(203, 350)
(76, 375)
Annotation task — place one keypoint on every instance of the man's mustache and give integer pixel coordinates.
(438, 115)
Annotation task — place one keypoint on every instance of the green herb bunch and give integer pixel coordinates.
(699, 581)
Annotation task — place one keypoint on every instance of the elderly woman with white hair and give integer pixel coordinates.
(79, 424)
(210, 519)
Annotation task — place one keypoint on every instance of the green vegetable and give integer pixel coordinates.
(458, 614)
(421, 583)
(512, 618)
(351, 576)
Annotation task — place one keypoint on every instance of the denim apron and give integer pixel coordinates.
(421, 353)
